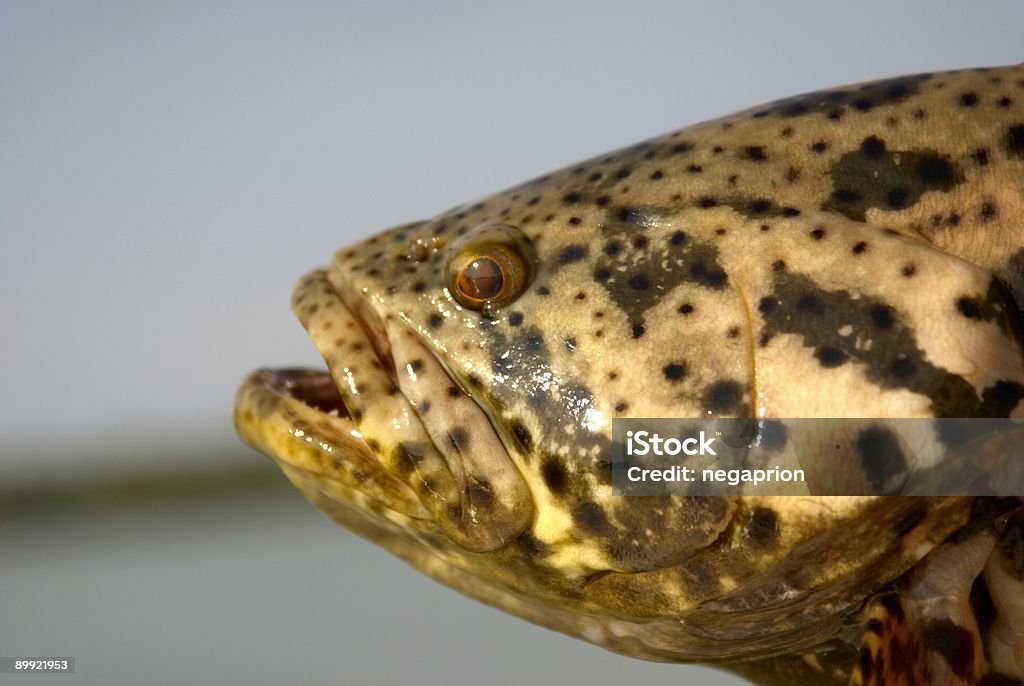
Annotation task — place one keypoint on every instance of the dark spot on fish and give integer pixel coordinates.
(809, 303)
(591, 518)
(459, 439)
(572, 253)
(723, 396)
(1015, 140)
(1001, 399)
(902, 367)
(882, 316)
(763, 527)
(953, 642)
(873, 147)
(936, 171)
(555, 476)
(898, 198)
(988, 211)
(881, 457)
(713, 277)
(830, 357)
(674, 371)
(969, 99)
(480, 492)
(755, 153)
(639, 282)
(532, 545)
(406, 461)
(773, 435)
(969, 307)
(875, 177)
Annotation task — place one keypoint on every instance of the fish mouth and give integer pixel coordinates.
(311, 387)
(297, 417)
(357, 438)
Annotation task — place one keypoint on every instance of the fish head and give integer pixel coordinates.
(464, 421)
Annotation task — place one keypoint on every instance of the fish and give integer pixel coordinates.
(851, 253)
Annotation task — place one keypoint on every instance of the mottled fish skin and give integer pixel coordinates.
(857, 252)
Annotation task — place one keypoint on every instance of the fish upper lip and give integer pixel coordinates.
(370, 324)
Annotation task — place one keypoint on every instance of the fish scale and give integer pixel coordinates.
(855, 253)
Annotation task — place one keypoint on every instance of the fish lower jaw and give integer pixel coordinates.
(297, 418)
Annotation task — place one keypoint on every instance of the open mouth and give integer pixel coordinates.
(309, 386)
(362, 431)
(311, 422)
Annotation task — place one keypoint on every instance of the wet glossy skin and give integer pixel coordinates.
(854, 253)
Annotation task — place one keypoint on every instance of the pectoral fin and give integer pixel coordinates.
(927, 632)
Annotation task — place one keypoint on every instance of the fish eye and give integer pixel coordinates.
(490, 268)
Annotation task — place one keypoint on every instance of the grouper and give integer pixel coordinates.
(851, 253)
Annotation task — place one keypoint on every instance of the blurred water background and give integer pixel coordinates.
(168, 170)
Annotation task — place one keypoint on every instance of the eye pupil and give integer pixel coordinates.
(481, 279)
(489, 267)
